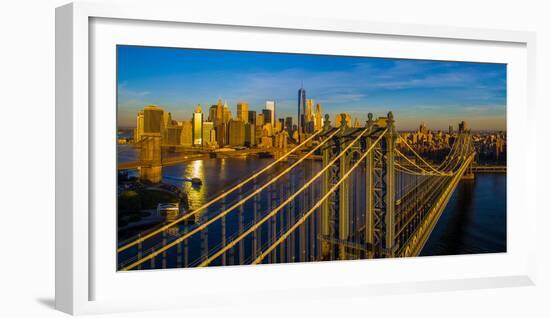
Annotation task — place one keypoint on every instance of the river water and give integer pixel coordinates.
(474, 220)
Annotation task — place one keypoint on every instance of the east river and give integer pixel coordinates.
(474, 220)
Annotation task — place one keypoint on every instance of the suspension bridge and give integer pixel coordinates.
(371, 196)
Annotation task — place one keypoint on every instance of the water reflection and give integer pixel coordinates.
(197, 194)
(473, 222)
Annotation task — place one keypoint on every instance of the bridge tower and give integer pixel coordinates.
(329, 208)
(465, 138)
(150, 158)
(377, 238)
(380, 188)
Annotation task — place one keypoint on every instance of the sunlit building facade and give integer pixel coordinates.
(318, 117)
(173, 135)
(197, 126)
(242, 112)
(249, 135)
(153, 117)
(208, 134)
(186, 133)
(270, 105)
(236, 133)
(138, 131)
(341, 117)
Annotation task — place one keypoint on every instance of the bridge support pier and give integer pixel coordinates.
(469, 174)
(150, 159)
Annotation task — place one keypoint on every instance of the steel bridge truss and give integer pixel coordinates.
(378, 199)
(391, 225)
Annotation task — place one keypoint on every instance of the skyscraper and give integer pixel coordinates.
(152, 120)
(309, 123)
(242, 111)
(236, 133)
(221, 134)
(268, 116)
(270, 104)
(249, 134)
(186, 133)
(309, 110)
(301, 107)
(219, 113)
(288, 125)
(252, 117)
(207, 133)
(226, 113)
(173, 135)
(340, 117)
(197, 126)
(318, 117)
(212, 113)
(260, 120)
(138, 131)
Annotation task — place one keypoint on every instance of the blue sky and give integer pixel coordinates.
(436, 93)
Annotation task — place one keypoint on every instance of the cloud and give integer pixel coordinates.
(409, 87)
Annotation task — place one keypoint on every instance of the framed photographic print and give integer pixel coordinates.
(238, 155)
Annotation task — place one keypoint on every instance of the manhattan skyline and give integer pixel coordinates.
(433, 92)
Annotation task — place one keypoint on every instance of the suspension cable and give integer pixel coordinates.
(294, 195)
(422, 169)
(216, 199)
(225, 212)
(306, 215)
(317, 205)
(408, 171)
(417, 155)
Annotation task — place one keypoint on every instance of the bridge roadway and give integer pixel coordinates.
(488, 169)
(196, 156)
(390, 227)
(416, 242)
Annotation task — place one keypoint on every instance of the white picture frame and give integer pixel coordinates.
(76, 270)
